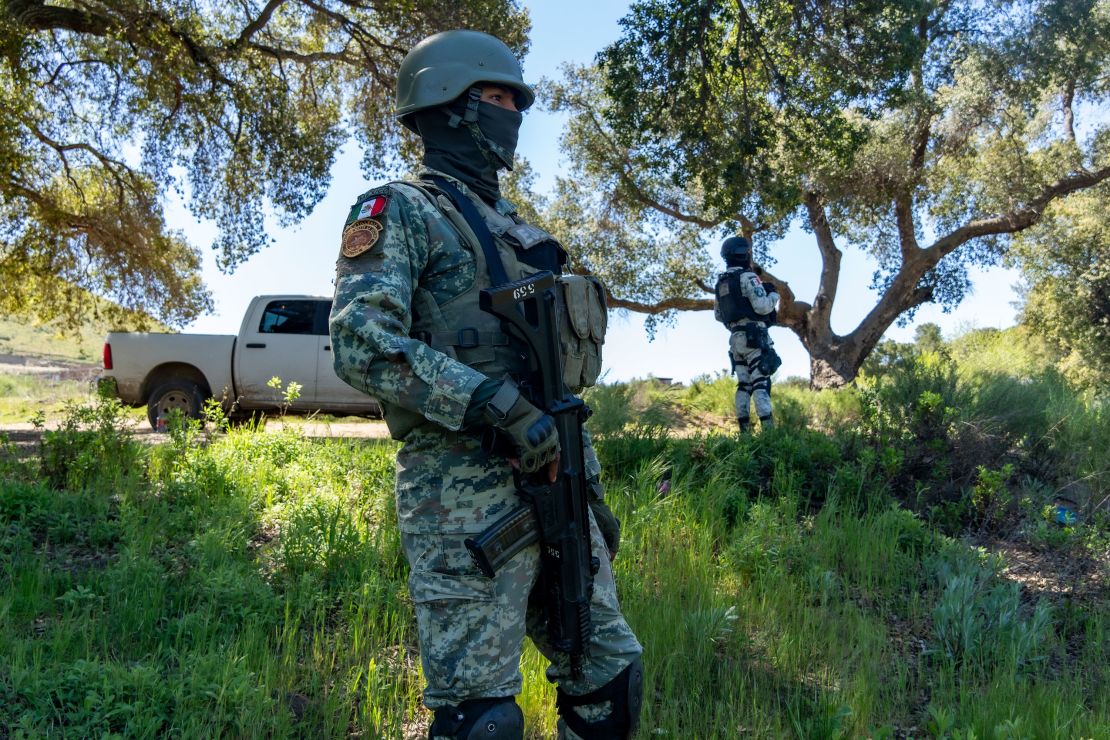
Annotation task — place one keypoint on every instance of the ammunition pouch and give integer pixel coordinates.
(769, 360)
(582, 324)
(757, 337)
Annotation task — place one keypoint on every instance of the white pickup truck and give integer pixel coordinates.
(281, 335)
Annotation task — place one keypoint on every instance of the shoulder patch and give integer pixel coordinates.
(370, 204)
(360, 236)
(375, 206)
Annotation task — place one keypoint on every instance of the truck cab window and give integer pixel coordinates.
(289, 317)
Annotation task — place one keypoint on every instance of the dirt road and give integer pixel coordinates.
(24, 433)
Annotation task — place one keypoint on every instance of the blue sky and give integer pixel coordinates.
(302, 259)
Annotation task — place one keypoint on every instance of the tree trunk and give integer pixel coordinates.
(833, 371)
(834, 361)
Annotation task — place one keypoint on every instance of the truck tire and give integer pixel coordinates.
(174, 394)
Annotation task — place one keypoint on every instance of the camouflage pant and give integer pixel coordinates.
(471, 627)
(751, 383)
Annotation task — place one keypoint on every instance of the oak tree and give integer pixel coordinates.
(240, 106)
(925, 132)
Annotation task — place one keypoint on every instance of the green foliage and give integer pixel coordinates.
(24, 395)
(289, 394)
(237, 582)
(611, 409)
(923, 133)
(28, 338)
(991, 498)
(979, 622)
(643, 405)
(73, 453)
(107, 107)
(1065, 262)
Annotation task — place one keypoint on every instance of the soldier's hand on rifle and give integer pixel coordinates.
(532, 432)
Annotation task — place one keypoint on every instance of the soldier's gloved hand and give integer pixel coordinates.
(531, 431)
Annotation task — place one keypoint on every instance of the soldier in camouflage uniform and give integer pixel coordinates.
(407, 329)
(747, 307)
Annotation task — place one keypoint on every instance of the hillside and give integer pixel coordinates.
(24, 339)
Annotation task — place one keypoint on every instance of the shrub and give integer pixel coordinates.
(92, 447)
(979, 622)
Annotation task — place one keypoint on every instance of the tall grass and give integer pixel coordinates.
(251, 584)
(852, 618)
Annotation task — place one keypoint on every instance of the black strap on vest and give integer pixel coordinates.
(498, 275)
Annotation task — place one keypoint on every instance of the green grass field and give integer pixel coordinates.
(850, 573)
(889, 561)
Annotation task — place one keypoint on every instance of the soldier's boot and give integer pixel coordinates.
(609, 713)
(744, 423)
(479, 719)
(766, 422)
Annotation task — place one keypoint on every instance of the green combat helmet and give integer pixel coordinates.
(446, 65)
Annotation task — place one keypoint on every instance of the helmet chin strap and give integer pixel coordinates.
(493, 152)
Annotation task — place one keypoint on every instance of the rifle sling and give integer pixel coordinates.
(498, 275)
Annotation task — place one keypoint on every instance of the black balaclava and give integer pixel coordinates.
(464, 150)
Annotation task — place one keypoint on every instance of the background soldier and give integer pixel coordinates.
(747, 307)
(407, 328)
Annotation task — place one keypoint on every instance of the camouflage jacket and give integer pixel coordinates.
(400, 250)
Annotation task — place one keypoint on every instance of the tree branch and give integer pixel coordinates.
(109, 163)
(301, 57)
(907, 233)
(258, 23)
(1015, 219)
(1069, 113)
(900, 297)
(624, 165)
(667, 304)
(37, 15)
(792, 313)
(830, 258)
(358, 31)
(905, 292)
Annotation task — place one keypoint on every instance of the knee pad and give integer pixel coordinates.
(625, 693)
(479, 719)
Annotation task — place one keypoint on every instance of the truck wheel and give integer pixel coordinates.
(175, 394)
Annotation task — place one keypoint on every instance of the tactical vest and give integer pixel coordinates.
(459, 328)
(734, 305)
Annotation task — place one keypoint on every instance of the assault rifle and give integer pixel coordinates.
(556, 514)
